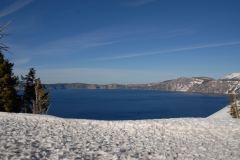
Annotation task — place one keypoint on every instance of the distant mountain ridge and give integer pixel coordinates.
(235, 76)
(206, 85)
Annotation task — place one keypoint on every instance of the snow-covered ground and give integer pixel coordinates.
(24, 136)
(223, 113)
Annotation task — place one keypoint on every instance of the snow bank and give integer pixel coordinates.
(24, 136)
(223, 113)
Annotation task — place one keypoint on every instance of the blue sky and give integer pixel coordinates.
(122, 41)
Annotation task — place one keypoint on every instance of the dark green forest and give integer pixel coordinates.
(33, 99)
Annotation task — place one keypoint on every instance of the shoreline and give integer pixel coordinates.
(141, 89)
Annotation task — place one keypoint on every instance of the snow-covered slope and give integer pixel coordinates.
(180, 84)
(232, 76)
(223, 113)
(201, 85)
(25, 136)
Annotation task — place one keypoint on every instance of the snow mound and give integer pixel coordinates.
(24, 136)
(223, 113)
(232, 76)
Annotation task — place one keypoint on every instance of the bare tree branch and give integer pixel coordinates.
(3, 47)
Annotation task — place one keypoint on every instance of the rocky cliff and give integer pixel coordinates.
(194, 84)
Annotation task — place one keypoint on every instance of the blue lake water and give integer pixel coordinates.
(132, 104)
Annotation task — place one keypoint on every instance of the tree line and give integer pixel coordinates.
(34, 98)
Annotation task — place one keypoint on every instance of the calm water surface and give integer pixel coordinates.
(132, 104)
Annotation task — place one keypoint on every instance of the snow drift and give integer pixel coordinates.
(46, 137)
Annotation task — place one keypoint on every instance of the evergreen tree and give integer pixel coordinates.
(29, 91)
(35, 97)
(42, 100)
(9, 101)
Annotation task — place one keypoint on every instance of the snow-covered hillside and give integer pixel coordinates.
(199, 85)
(25, 136)
(232, 76)
(185, 87)
(180, 84)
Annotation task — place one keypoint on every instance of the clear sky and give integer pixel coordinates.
(122, 41)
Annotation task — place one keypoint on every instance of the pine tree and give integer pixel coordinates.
(35, 97)
(9, 101)
(29, 91)
(42, 99)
